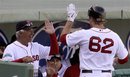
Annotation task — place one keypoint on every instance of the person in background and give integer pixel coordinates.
(98, 45)
(54, 67)
(2, 48)
(23, 50)
(3, 42)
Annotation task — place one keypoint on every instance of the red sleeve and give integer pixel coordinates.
(54, 45)
(122, 61)
(63, 39)
(18, 60)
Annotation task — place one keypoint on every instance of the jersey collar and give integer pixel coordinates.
(105, 30)
(21, 45)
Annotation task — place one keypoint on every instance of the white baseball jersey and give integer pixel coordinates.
(16, 50)
(98, 48)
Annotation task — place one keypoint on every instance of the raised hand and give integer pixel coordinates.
(71, 12)
(49, 27)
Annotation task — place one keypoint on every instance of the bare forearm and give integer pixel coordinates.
(67, 27)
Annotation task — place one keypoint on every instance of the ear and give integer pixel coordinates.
(21, 31)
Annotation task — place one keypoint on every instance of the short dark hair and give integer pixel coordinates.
(97, 12)
(52, 57)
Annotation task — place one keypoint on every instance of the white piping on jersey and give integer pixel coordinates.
(24, 48)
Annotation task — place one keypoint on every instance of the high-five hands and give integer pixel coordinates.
(49, 27)
(71, 12)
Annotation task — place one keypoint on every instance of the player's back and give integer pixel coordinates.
(98, 48)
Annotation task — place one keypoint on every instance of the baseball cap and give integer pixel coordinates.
(52, 57)
(24, 25)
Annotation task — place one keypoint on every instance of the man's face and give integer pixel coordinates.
(28, 34)
(54, 63)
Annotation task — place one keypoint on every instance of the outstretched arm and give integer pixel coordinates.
(54, 44)
(70, 19)
(65, 31)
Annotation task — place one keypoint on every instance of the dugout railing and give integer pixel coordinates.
(11, 69)
(121, 73)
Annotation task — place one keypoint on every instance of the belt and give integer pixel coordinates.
(90, 71)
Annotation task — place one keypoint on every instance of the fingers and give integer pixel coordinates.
(48, 28)
(44, 28)
(48, 23)
(28, 59)
(50, 71)
(71, 12)
(71, 7)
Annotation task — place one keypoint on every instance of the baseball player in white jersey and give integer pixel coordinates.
(98, 45)
(24, 51)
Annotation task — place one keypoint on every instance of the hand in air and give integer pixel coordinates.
(49, 27)
(71, 12)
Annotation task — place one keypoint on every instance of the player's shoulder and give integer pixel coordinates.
(82, 30)
(10, 47)
(85, 31)
(35, 43)
(114, 33)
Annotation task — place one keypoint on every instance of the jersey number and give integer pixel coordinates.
(94, 44)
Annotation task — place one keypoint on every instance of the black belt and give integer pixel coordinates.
(90, 71)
